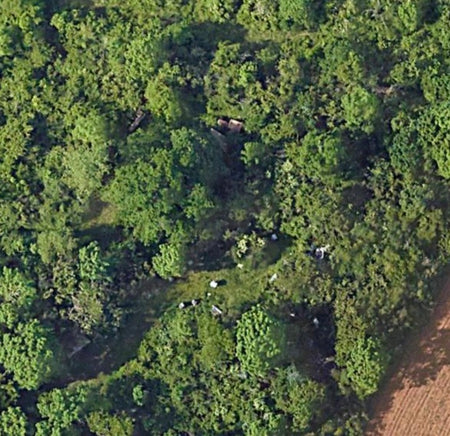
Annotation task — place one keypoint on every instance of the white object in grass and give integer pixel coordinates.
(215, 310)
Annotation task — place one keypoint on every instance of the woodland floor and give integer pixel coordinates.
(416, 400)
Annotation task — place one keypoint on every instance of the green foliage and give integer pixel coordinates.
(297, 12)
(411, 14)
(319, 155)
(88, 297)
(8, 392)
(26, 345)
(219, 11)
(258, 16)
(102, 424)
(13, 421)
(11, 220)
(198, 203)
(60, 408)
(138, 395)
(191, 353)
(27, 354)
(232, 87)
(163, 99)
(17, 295)
(253, 153)
(19, 21)
(258, 341)
(330, 202)
(54, 235)
(298, 397)
(150, 192)
(170, 260)
(365, 366)
(405, 156)
(134, 191)
(361, 356)
(434, 136)
(85, 158)
(360, 109)
(92, 267)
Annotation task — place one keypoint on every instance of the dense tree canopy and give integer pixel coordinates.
(216, 217)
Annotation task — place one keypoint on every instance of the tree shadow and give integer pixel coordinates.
(424, 356)
(61, 5)
(434, 353)
(103, 234)
(197, 42)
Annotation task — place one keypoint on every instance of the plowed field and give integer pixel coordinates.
(416, 401)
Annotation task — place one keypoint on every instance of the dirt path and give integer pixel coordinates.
(416, 401)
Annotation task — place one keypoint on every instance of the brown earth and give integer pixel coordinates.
(416, 400)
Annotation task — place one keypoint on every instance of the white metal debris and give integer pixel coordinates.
(215, 310)
(273, 278)
(320, 252)
(235, 126)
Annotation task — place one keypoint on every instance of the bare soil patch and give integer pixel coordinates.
(416, 400)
